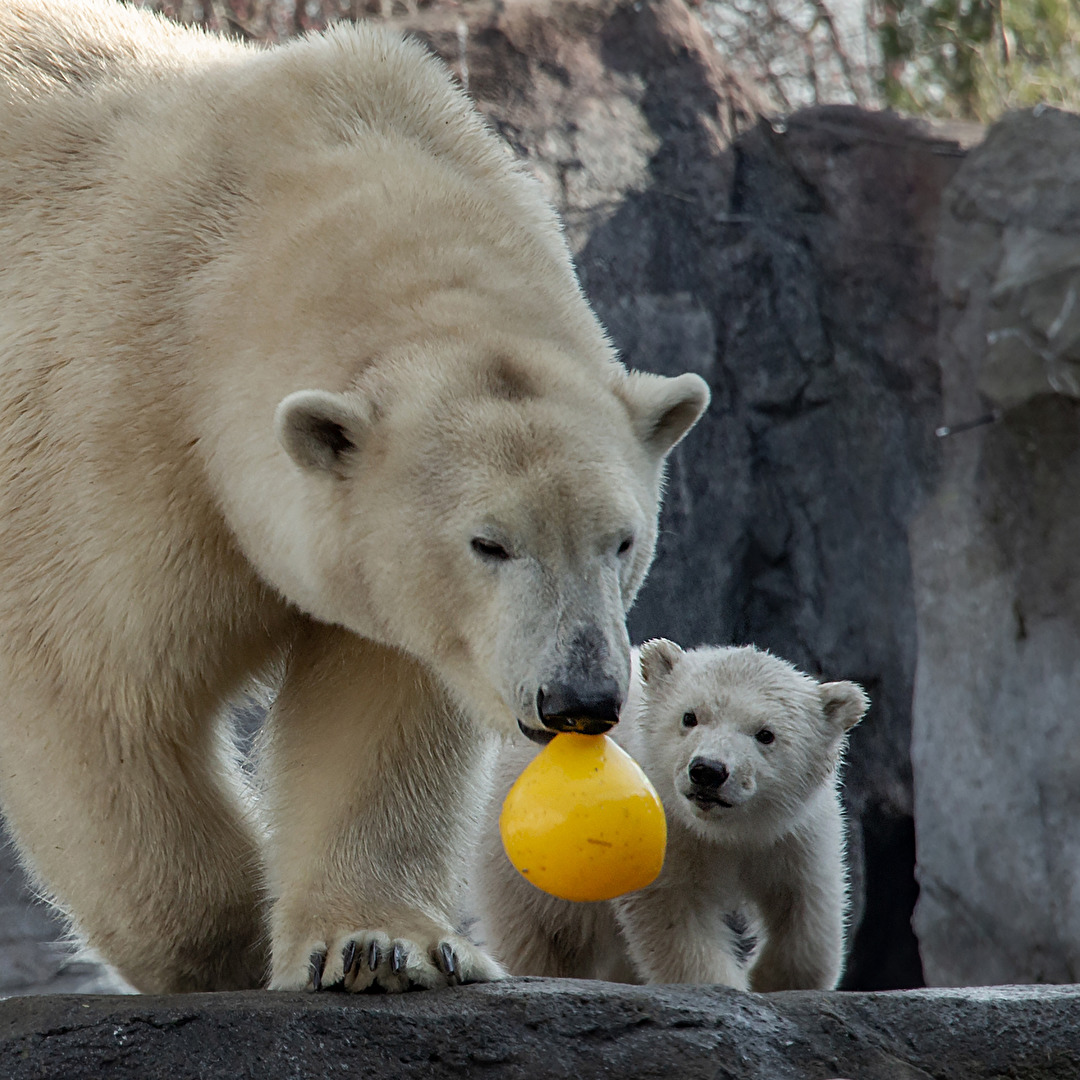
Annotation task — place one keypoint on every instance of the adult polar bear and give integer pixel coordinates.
(296, 383)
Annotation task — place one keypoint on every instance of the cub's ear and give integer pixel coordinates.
(844, 703)
(658, 658)
(664, 409)
(322, 431)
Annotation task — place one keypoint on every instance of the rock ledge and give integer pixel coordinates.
(549, 1028)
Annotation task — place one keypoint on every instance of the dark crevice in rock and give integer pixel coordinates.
(885, 952)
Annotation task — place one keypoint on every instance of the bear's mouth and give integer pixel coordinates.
(540, 736)
(703, 800)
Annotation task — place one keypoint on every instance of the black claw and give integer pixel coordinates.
(316, 965)
(397, 958)
(449, 961)
(439, 959)
(348, 958)
(374, 956)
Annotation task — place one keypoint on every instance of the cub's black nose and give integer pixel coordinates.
(708, 774)
(590, 709)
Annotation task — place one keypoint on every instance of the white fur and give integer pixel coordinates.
(752, 895)
(281, 332)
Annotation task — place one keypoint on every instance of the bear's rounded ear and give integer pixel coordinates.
(321, 431)
(658, 658)
(844, 703)
(664, 409)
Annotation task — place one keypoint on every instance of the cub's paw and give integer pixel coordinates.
(372, 959)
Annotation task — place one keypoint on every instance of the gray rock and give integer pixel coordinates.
(1015, 216)
(540, 1028)
(996, 557)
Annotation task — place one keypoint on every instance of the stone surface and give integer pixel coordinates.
(1015, 215)
(996, 556)
(539, 1028)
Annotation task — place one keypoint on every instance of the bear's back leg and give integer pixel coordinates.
(139, 833)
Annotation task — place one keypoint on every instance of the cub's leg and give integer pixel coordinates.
(528, 931)
(806, 909)
(373, 798)
(140, 834)
(675, 935)
(532, 933)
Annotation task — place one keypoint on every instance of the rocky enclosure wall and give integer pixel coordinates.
(996, 740)
(847, 282)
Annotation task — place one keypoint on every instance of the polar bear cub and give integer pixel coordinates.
(744, 751)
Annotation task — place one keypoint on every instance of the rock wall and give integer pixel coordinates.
(996, 743)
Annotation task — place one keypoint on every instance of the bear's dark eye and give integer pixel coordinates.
(689, 719)
(488, 549)
(765, 736)
(626, 545)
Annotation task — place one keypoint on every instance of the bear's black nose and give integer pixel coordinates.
(590, 708)
(705, 773)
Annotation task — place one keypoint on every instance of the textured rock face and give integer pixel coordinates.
(996, 743)
(540, 1028)
(1014, 216)
(786, 520)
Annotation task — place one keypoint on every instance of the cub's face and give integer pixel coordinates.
(739, 738)
(495, 521)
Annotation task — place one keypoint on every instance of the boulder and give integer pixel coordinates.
(996, 558)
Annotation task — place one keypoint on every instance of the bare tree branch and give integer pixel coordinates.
(838, 47)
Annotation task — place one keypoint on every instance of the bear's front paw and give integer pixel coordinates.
(367, 959)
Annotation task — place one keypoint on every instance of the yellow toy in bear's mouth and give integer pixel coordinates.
(582, 821)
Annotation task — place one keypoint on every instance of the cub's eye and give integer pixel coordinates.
(488, 549)
(689, 719)
(765, 736)
(626, 545)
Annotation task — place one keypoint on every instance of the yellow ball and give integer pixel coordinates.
(582, 821)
